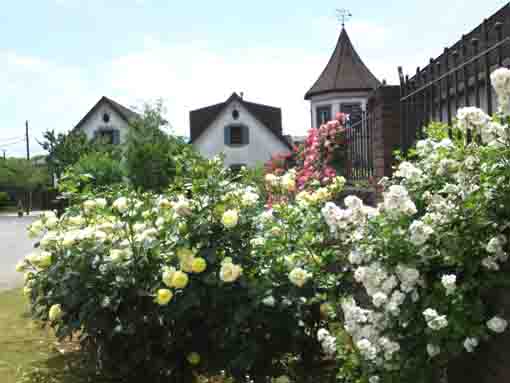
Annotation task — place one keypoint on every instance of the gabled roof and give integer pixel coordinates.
(345, 71)
(125, 113)
(271, 117)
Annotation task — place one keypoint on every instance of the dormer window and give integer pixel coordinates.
(323, 114)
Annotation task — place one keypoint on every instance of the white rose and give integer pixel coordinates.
(449, 283)
(497, 324)
(120, 204)
(470, 344)
(269, 301)
(433, 350)
(379, 299)
(299, 276)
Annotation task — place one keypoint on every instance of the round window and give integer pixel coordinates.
(106, 118)
(235, 114)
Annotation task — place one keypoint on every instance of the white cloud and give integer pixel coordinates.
(193, 75)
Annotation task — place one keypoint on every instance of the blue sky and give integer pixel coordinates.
(58, 57)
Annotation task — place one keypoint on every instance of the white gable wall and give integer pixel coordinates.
(95, 122)
(262, 143)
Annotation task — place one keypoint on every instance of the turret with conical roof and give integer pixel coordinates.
(344, 84)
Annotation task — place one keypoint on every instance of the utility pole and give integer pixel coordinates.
(29, 199)
(3, 150)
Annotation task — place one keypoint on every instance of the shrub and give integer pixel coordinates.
(4, 199)
(163, 287)
(95, 170)
(418, 271)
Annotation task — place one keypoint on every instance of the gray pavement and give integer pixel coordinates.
(14, 245)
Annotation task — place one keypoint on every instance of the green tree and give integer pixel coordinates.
(23, 174)
(150, 156)
(65, 149)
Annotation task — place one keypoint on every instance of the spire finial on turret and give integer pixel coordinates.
(343, 15)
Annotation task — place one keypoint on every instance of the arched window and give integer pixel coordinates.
(237, 135)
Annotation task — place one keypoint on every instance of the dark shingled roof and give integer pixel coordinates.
(271, 117)
(344, 72)
(125, 113)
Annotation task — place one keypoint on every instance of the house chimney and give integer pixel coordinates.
(241, 94)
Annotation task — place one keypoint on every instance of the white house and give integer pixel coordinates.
(248, 133)
(108, 120)
(343, 86)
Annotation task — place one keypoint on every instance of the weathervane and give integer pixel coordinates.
(343, 15)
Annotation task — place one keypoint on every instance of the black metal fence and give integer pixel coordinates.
(458, 77)
(360, 148)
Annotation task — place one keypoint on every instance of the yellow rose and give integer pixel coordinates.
(198, 265)
(230, 218)
(230, 272)
(193, 358)
(89, 205)
(288, 182)
(168, 274)
(55, 313)
(27, 291)
(184, 252)
(117, 255)
(163, 296)
(51, 222)
(271, 179)
(28, 276)
(180, 280)
(44, 260)
(164, 203)
(20, 266)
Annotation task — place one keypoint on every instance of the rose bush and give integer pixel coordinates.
(416, 274)
(167, 286)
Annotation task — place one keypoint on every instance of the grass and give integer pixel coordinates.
(29, 353)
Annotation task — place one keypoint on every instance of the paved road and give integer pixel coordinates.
(14, 245)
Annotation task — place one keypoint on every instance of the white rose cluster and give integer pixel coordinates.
(472, 117)
(397, 200)
(327, 341)
(495, 247)
(355, 215)
(420, 232)
(434, 320)
(409, 171)
(500, 80)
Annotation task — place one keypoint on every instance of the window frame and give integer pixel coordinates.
(319, 110)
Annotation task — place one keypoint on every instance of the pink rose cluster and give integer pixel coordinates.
(320, 146)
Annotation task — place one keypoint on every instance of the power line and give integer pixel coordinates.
(11, 138)
(12, 143)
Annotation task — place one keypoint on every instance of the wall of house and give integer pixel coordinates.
(95, 122)
(335, 100)
(262, 142)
